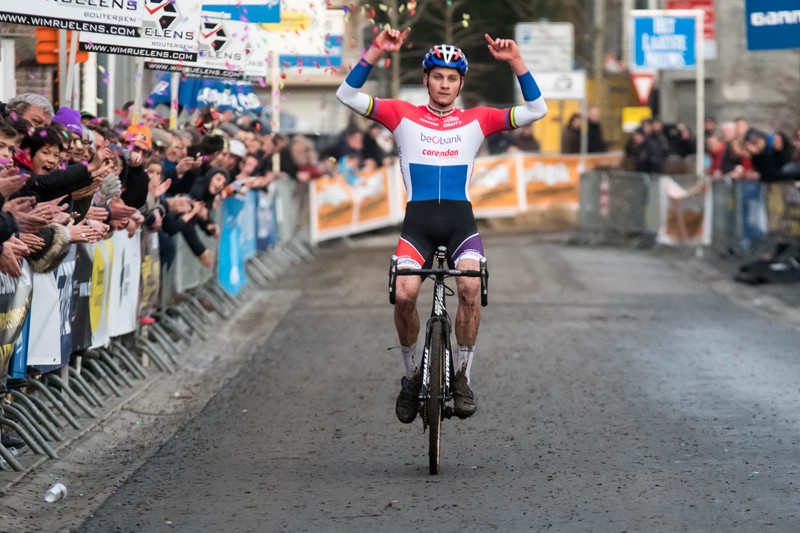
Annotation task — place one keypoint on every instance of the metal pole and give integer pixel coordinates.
(599, 46)
(627, 6)
(62, 66)
(69, 87)
(584, 134)
(701, 92)
(275, 100)
(138, 97)
(111, 88)
(174, 85)
(89, 85)
(76, 86)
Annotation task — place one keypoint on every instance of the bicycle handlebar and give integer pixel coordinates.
(453, 273)
(483, 273)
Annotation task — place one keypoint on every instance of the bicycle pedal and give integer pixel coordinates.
(448, 412)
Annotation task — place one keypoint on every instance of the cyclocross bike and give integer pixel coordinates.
(436, 396)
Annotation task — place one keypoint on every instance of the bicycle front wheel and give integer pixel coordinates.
(435, 400)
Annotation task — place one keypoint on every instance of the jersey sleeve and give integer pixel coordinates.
(493, 120)
(386, 112)
(535, 106)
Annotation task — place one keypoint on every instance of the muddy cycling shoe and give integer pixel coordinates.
(463, 397)
(408, 399)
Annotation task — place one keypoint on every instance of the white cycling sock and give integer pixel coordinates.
(409, 356)
(464, 358)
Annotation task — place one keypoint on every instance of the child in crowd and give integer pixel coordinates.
(8, 144)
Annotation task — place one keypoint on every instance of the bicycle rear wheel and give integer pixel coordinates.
(435, 403)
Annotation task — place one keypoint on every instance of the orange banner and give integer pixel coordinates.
(493, 187)
(335, 204)
(553, 180)
(372, 191)
(550, 181)
(342, 207)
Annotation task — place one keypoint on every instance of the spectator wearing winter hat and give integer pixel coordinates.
(70, 119)
(77, 147)
(232, 160)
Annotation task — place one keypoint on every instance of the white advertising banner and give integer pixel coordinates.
(169, 31)
(546, 46)
(222, 49)
(569, 85)
(256, 63)
(120, 18)
(123, 297)
(685, 214)
(44, 345)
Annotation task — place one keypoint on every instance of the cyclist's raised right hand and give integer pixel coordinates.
(391, 40)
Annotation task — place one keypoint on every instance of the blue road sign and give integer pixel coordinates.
(773, 25)
(260, 11)
(663, 42)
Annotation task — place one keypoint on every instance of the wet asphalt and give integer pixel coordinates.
(617, 391)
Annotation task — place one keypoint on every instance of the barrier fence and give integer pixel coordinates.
(736, 218)
(503, 185)
(71, 339)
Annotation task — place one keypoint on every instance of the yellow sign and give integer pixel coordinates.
(290, 21)
(632, 117)
(100, 272)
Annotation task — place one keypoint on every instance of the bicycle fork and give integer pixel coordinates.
(439, 315)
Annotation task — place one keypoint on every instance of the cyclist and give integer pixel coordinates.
(437, 145)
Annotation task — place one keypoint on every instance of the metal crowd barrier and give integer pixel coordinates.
(748, 218)
(616, 207)
(44, 403)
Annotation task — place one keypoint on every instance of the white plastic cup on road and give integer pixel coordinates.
(55, 493)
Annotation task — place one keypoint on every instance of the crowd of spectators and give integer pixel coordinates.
(63, 173)
(733, 149)
(67, 176)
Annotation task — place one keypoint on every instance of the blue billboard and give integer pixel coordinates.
(260, 11)
(663, 42)
(773, 25)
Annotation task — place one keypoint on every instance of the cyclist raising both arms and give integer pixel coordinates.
(437, 144)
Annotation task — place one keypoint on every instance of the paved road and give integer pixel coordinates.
(617, 392)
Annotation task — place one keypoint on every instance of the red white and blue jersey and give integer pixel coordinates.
(437, 152)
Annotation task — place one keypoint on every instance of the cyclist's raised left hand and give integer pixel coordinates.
(503, 49)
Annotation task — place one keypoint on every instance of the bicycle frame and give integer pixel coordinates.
(434, 412)
(438, 313)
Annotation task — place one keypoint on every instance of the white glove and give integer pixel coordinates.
(111, 186)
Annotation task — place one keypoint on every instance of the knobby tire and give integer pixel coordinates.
(436, 355)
